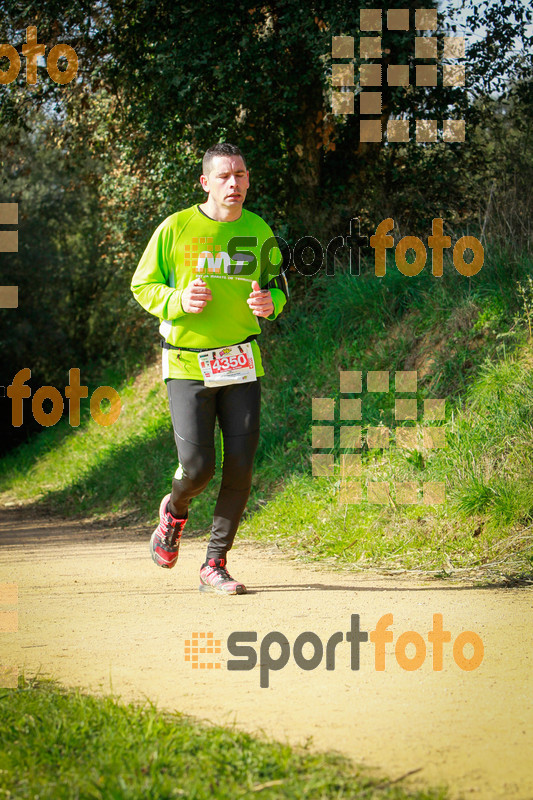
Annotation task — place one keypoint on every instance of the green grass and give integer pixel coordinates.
(65, 745)
(486, 467)
(469, 341)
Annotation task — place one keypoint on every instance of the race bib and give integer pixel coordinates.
(227, 365)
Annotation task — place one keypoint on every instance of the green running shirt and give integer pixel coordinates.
(187, 245)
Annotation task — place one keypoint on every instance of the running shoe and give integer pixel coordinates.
(215, 577)
(165, 540)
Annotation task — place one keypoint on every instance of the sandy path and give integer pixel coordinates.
(94, 611)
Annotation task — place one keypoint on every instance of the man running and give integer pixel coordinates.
(207, 273)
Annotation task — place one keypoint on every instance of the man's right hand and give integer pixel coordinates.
(195, 296)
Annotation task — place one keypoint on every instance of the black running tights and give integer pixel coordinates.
(194, 409)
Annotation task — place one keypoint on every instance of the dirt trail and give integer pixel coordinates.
(94, 611)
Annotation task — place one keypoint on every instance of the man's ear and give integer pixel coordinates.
(204, 182)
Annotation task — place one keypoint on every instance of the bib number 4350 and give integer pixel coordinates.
(229, 362)
(227, 365)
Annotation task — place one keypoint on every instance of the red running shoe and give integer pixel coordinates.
(165, 540)
(215, 577)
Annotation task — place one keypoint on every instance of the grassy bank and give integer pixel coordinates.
(468, 339)
(64, 745)
(486, 466)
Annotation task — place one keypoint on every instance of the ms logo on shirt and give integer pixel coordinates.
(203, 257)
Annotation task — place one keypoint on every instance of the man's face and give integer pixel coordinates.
(227, 182)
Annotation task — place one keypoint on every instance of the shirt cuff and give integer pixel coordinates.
(279, 300)
(174, 307)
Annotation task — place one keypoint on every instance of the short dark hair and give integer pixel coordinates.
(219, 149)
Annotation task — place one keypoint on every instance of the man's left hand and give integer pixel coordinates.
(260, 301)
